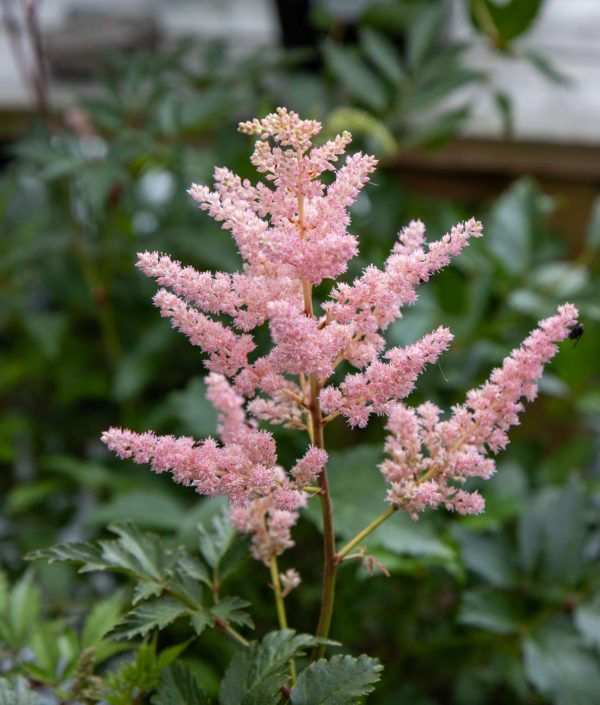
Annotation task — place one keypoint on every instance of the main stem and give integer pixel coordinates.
(329, 556)
(316, 436)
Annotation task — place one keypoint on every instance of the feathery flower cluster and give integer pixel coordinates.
(431, 458)
(292, 233)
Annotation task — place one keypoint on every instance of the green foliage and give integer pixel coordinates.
(50, 651)
(140, 675)
(509, 19)
(178, 686)
(257, 673)
(397, 75)
(17, 692)
(342, 680)
(20, 611)
(167, 580)
(498, 609)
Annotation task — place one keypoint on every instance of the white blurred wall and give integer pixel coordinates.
(568, 33)
(246, 23)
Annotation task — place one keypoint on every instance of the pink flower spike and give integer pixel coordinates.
(227, 351)
(429, 457)
(308, 468)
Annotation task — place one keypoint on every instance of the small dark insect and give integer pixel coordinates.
(577, 331)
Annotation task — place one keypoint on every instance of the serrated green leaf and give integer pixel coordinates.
(87, 554)
(362, 83)
(258, 672)
(139, 674)
(136, 551)
(232, 609)
(342, 680)
(17, 692)
(178, 686)
(152, 614)
(146, 589)
(192, 567)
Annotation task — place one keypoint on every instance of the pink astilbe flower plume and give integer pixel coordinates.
(292, 232)
(372, 391)
(430, 458)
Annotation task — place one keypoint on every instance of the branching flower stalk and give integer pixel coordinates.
(292, 234)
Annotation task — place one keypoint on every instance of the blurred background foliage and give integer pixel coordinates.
(497, 609)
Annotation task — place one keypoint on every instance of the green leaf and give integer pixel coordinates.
(258, 672)
(17, 692)
(383, 54)
(343, 680)
(232, 609)
(504, 106)
(552, 534)
(559, 279)
(559, 666)
(4, 591)
(593, 228)
(45, 644)
(137, 675)
(422, 34)
(87, 554)
(547, 68)
(169, 655)
(136, 551)
(489, 556)
(25, 496)
(587, 621)
(178, 686)
(355, 75)
(512, 224)
(490, 610)
(22, 612)
(194, 568)
(152, 614)
(101, 619)
(144, 556)
(506, 21)
(216, 539)
(438, 130)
